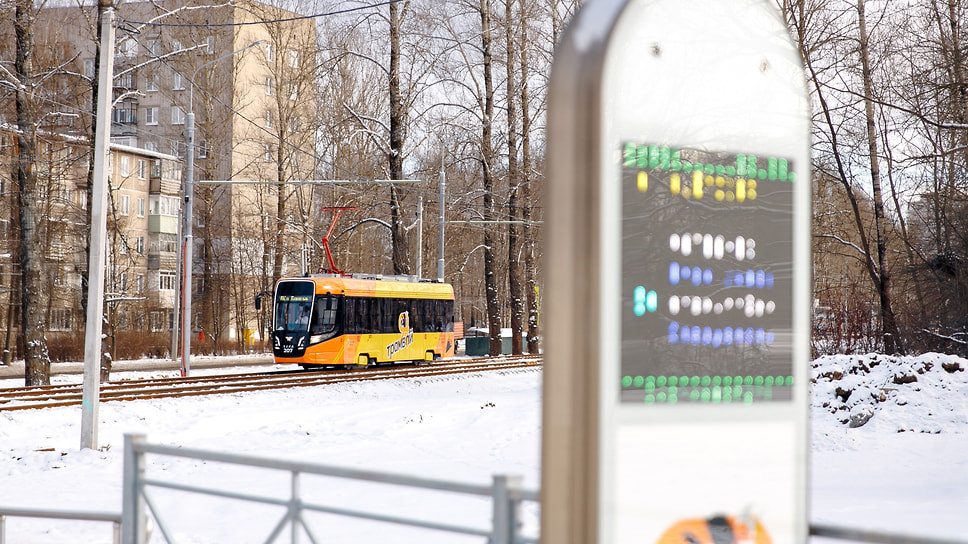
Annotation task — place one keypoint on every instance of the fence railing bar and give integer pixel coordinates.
(876, 537)
(307, 506)
(154, 512)
(60, 514)
(305, 526)
(277, 530)
(394, 519)
(79, 515)
(214, 492)
(316, 469)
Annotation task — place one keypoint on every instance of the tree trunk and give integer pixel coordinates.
(32, 301)
(891, 334)
(487, 163)
(398, 121)
(530, 283)
(514, 268)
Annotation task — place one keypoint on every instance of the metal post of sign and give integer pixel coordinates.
(186, 320)
(99, 196)
(678, 247)
(440, 239)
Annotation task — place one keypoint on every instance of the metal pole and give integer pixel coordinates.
(176, 307)
(95, 266)
(420, 237)
(133, 516)
(187, 260)
(189, 189)
(440, 248)
(506, 496)
(294, 509)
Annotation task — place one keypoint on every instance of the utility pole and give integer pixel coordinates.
(442, 182)
(420, 237)
(95, 294)
(189, 196)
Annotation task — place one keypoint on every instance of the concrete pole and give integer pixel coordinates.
(187, 260)
(99, 199)
(440, 249)
(420, 237)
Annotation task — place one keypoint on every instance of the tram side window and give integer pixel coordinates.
(449, 316)
(373, 314)
(349, 316)
(324, 318)
(388, 321)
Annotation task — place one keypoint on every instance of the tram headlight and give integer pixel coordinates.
(316, 338)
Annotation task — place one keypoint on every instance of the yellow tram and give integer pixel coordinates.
(354, 321)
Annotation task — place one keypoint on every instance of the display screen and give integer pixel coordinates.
(707, 276)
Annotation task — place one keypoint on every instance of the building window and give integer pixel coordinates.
(125, 113)
(152, 48)
(176, 45)
(270, 53)
(89, 67)
(141, 206)
(157, 320)
(139, 245)
(209, 42)
(151, 83)
(269, 86)
(177, 82)
(60, 319)
(129, 48)
(151, 146)
(268, 118)
(125, 81)
(293, 58)
(293, 91)
(125, 206)
(139, 283)
(151, 115)
(177, 116)
(125, 166)
(177, 148)
(123, 282)
(166, 281)
(267, 156)
(142, 169)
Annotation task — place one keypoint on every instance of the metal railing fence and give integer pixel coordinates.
(112, 517)
(506, 493)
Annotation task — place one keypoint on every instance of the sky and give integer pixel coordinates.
(905, 470)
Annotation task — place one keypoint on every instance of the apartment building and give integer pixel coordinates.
(144, 210)
(254, 107)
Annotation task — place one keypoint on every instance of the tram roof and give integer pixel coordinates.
(378, 286)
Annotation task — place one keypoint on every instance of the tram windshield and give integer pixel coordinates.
(294, 303)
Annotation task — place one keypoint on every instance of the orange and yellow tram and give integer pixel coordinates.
(357, 321)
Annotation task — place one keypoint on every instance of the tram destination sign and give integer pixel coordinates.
(707, 258)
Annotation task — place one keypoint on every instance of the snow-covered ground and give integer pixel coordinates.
(905, 470)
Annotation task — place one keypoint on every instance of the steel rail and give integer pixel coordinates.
(153, 388)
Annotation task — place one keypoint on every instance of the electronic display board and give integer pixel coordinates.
(707, 257)
(677, 254)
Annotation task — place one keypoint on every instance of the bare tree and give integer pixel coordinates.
(26, 80)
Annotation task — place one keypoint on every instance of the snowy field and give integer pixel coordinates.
(904, 470)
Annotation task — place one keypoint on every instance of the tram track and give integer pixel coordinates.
(25, 398)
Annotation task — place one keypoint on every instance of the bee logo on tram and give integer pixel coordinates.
(406, 335)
